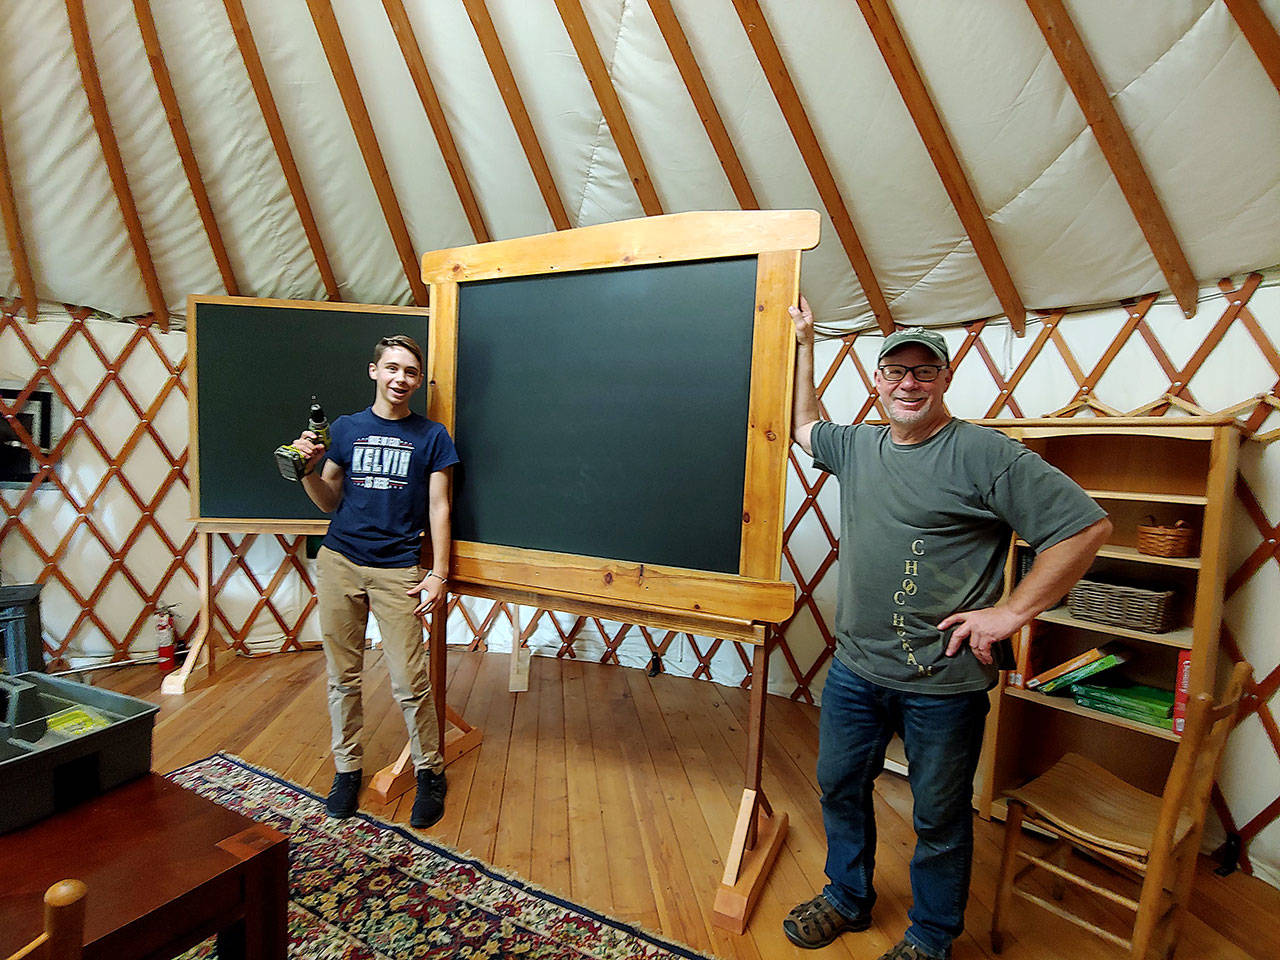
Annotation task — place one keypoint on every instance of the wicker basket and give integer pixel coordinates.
(1138, 608)
(1155, 540)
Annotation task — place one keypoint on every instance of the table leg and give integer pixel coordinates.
(266, 915)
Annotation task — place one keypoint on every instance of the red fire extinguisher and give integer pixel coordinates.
(164, 636)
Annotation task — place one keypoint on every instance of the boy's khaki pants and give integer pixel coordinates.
(345, 593)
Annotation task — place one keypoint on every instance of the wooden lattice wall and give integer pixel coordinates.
(107, 530)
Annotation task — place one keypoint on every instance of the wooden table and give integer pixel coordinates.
(165, 869)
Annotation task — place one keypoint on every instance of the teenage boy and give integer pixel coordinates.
(385, 480)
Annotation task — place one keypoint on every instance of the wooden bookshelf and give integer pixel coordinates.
(1168, 468)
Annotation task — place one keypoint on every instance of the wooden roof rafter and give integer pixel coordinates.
(906, 75)
(344, 75)
(491, 46)
(584, 44)
(275, 128)
(13, 235)
(417, 64)
(785, 92)
(92, 84)
(1260, 33)
(1117, 147)
(169, 98)
(704, 103)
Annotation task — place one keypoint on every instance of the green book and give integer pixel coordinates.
(1137, 697)
(1105, 706)
(1112, 659)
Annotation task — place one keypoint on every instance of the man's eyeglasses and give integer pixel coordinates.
(924, 372)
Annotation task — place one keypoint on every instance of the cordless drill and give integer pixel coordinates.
(292, 461)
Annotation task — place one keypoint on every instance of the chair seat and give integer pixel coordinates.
(1095, 805)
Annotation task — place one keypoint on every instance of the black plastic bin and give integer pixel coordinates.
(62, 742)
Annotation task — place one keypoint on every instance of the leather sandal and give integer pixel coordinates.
(817, 923)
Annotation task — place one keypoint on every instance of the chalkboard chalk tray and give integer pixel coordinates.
(620, 396)
(254, 365)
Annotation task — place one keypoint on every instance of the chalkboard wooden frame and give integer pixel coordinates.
(649, 593)
(374, 320)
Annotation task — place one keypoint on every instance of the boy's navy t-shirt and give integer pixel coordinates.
(386, 466)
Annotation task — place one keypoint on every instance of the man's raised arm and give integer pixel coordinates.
(805, 411)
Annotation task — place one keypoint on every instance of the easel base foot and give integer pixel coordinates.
(396, 778)
(734, 903)
(201, 653)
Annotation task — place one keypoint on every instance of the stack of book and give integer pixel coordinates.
(1133, 701)
(1089, 663)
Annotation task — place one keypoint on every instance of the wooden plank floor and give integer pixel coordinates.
(620, 792)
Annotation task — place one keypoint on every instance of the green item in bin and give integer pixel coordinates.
(76, 721)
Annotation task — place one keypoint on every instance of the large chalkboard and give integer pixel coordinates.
(620, 397)
(254, 365)
(604, 412)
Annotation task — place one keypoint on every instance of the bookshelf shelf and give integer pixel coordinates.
(1170, 468)
(1183, 637)
(1144, 496)
(1115, 551)
(1067, 705)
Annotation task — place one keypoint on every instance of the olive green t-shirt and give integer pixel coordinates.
(924, 532)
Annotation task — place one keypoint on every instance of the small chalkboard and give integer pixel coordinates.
(254, 366)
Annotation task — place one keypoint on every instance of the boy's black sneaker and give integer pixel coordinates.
(428, 805)
(344, 795)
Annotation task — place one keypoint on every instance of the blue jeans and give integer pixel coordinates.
(943, 737)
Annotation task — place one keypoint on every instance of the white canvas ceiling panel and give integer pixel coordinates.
(1188, 112)
(1125, 37)
(1092, 243)
(608, 192)
(254, 211)
(584, 161)
(673, 142)
(904, 218)
(768, 152)
(338, 185)
(175, 238)
(431, 206)
(1009, 117)
(74, 233)
(496, 165)
(1013, 122)
(952, 289)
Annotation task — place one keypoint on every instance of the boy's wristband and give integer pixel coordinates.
(432, 573)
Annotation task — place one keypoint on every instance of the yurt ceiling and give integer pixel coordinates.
(971, 159)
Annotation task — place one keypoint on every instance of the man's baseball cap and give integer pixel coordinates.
(929, 339)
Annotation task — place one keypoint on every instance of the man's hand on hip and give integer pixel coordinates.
(981, 629)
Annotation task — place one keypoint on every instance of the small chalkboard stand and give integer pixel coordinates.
(202, 650)
(243, 403)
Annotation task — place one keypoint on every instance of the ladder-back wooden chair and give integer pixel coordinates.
(63, 937)
(1155, 839)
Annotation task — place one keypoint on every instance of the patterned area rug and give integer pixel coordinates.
(362, 889)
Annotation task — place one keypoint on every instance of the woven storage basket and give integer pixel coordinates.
(1138, 608)
(1155, 540)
